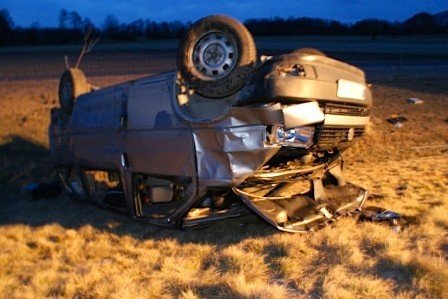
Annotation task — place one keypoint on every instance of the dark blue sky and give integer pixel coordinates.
(45, 12)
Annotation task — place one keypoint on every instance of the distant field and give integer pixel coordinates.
(57, 248)
(43, 62)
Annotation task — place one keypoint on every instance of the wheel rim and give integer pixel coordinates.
(215, 55)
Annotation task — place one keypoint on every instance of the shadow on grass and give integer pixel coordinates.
(23, 162)
(407, 274)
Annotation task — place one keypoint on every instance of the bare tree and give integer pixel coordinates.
(111, 25)
(6, 27)
(89, 43)
(63, 19)
(75, 20)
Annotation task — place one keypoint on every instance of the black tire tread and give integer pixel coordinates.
(80, 86)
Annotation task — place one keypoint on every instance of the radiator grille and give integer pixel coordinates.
(337, 136)
(345, 109)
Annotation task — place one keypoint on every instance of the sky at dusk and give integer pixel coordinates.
(45, 12)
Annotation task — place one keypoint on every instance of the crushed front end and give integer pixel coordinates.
(312, 109)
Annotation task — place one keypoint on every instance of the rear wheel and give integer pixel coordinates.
(72, 84)
(216, 56)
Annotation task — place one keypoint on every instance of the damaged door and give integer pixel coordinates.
(159, 152)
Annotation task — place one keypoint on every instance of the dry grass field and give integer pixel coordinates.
(57, 248)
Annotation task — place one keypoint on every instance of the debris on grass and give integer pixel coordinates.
(415, 101)
(397, 120)
(377, 214)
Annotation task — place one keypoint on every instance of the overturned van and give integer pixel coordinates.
(225, 134)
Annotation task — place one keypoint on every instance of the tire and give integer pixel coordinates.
(72, 84)
(216, 56)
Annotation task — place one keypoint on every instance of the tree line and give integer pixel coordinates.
(71, 28)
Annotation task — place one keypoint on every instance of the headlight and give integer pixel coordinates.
(297, 137)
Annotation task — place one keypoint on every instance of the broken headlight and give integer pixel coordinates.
(297, 137)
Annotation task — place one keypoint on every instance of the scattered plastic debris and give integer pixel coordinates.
(376, 214)
(386, 215)
(397, 121)
(415, 101)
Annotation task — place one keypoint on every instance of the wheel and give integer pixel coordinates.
(216, 56)
(72, 84)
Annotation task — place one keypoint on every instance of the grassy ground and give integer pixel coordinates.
(60, 248)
